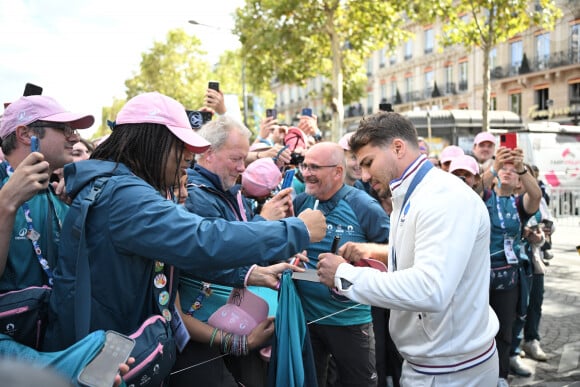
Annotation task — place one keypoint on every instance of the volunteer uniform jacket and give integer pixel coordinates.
(206, 198)
(437, 286)
(130, 227)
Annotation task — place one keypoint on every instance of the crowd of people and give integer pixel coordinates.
(189, 218)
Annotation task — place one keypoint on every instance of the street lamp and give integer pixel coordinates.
(244, 93)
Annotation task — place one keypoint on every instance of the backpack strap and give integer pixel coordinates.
(82, 300)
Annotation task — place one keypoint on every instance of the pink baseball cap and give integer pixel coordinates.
(156, 108)
(482, 137)
(466, 163)
(343, 142)
(295, 138)
(243, 312)
(450, 152)
(27, 110)
(261, 177)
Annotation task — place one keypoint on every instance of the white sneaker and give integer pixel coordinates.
(518, 367)
(534, 350)
(501, 382)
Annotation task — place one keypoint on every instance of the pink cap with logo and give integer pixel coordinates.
(156, 108)
(450, 152)
(27, 110)
(466, 163)
(482, 137)
(243, 312)
(261, 177)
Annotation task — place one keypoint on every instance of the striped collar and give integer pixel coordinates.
(409, 171)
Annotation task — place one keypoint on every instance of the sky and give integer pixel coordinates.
(82, 51)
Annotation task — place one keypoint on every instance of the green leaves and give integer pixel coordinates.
(174, 68)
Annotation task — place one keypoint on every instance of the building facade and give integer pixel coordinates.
(535, 75)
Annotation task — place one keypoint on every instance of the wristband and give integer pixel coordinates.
(493, 172)
(522, 172)
(213, 334)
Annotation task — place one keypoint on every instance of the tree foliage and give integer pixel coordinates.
(295, 40)
(175, 68)
(486, 23)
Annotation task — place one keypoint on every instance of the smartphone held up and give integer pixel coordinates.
(508, 140)
(214, 85)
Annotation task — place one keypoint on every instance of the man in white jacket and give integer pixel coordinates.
(437, 285)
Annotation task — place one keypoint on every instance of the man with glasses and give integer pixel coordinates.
(337, 326)
(35, 237)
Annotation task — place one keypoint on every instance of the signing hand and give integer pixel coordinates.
(355, 251)
(327, 266)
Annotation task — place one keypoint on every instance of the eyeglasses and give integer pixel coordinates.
(313, 168)
(68, 131)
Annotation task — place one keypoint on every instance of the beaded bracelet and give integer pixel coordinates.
(213, 334)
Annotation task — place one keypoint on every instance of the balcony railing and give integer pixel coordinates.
(449, 88)
(539, 63)
(463, 85)
(412, 96)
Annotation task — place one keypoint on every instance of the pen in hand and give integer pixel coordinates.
(334, 247)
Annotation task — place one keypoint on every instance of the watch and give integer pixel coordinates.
(522, 172)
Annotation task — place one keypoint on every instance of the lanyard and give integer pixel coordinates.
(423, 169)
(500, 214)
(32, 234)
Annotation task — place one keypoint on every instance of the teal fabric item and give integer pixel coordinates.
(68, 362)
(292, 361)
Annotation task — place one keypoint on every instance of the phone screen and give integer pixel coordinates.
(385, 107)
(271, 113)
(30, 89)
(288, 177)
(101, 371)
(34, 146)
(214, 86)
(508, 140)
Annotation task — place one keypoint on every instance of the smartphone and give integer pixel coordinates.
(34, 145)
(30, 89)
(271, 113)
(197, 118)
(307, 112)
(288, 178)
(101, 371)
(386, 107)
(508, 140)
(214, 86)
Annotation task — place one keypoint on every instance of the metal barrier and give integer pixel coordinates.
(565, 204)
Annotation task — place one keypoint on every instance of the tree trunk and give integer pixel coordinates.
(337, 83)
